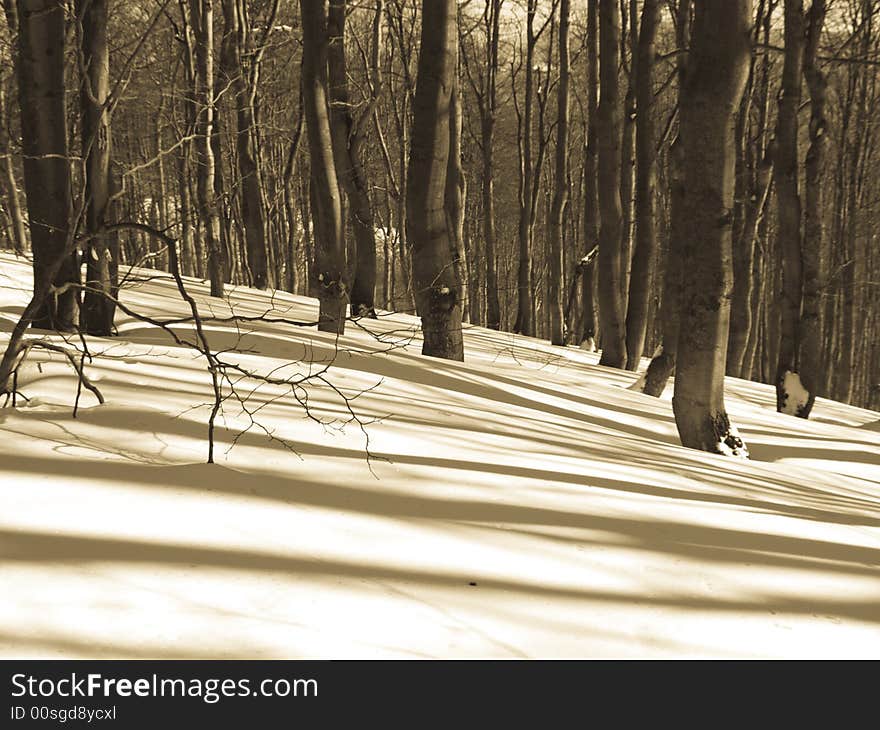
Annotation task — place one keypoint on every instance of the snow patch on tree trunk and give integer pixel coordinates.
(793, 398)
(731, 444)
(589, 345)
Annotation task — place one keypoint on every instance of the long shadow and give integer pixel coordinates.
(850, 510)
(43, 548)
(677, 538)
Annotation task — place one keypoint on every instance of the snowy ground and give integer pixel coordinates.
(524, 503)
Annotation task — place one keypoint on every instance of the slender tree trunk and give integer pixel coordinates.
(645, 253)
(46, 165)
(611, 305)
(560, 197)
(786, 170)
(490, 106)
(810, 356)
(456, 195)
(202, 19)
(437, 289)
(663, 363)
(328, 272)
(102, 252)
(13, 206)
(591, 175)
(716, 76)
(525, 316)
(347, 143)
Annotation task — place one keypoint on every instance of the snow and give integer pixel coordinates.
(523, 503)
(796, 396)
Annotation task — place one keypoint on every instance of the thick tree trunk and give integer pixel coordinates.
(789, 390)
(560, 196)
(102, 252)
(46, 165)
(202, 19)
(641, 279)
(347, 143)
(611, 305)
(328, 272)
(716, 77)
(437, 289)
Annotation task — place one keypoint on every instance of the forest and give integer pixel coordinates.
(439, 328)
(691, 184)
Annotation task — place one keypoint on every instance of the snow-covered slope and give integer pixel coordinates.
(524, 503)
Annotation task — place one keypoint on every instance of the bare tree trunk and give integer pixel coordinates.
(328, 272)
(102, 252)
(202, 19)
(348, 137)
(16, 216)
(456, 195)
(560, 197)
(591, 173)
(717, 72)
(437, 289)
(611, 305)
(811, 334)
(641, 280)
(789, 210)
(525, 316)
(235, 40)
(46, 165)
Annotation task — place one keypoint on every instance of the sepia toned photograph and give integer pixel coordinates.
(434, 330)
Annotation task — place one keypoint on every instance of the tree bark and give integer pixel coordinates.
(645, 252)
(347, 144)
(810, 355)
(328, 272)
(786, 170)
(610, 263)
(560, 196)
(437, 289)
(46, 165)
(202, 20)
(716, 77)
(591, 175)
(102, 251)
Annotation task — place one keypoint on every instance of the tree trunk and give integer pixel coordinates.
(347, 143)
(16, 217)
(328, 272)
(611, 316)
(641, 280)
(525, 316)
(493, 308)
(46, 165)
(786, 169)
(663, 363)
(102, 252)
(716, 77)
(202, 19)
(810, 356)
(591, 173)
(437, 289)
(560, 196)
(456, 195)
